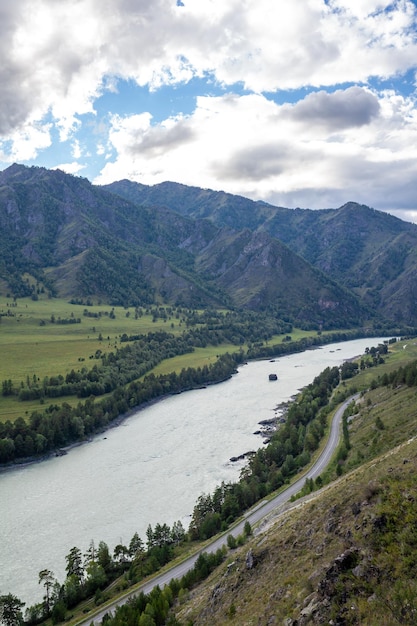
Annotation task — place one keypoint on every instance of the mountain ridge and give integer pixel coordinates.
(194, 247)
(344, 243)
(83, 241)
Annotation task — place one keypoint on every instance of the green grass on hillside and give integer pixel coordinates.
(198, 358)
(384, 417)
(299, 569)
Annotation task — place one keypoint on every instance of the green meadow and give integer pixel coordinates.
(34, 344)
(31, 344)
(400, 354)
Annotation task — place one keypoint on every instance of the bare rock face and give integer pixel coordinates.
(342, 564)
(250, 561)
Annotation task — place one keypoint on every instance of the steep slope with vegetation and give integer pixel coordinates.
(368, 251)
(65, 236)
(345, 554)
(345, 557)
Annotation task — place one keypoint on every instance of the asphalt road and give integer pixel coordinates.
(262, 511)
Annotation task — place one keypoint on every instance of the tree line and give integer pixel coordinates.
(58, 426)
(116, 377)
(291, 446)
(145, 351)
(88, 575)
(111, 370)
(269, 468)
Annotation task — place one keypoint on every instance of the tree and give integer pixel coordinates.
(75, 564)
(7, 450)
(146, 620)
(150, 537)
(162, 535)
(177, 532)
(72, 591)
(59, 612)
(11, 610)
(47, 578)
(91, 553)
(120, 553)
(7, 386)
(136, 546)
(247, 529)
(103, 556)
(96, 577)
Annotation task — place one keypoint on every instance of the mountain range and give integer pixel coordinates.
(131, 244)
(370, 252)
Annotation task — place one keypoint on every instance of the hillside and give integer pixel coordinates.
(61, 234)
(332, 560)
(367, 251)
(342, 555)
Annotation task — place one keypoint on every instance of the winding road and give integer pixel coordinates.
(261, 511)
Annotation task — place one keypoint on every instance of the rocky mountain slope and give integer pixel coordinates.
(81, 241)
(370, 252)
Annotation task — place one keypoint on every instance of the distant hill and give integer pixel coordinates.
(196, 248)
(370, 252)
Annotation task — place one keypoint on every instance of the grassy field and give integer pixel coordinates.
(399, 355)
(33, 345)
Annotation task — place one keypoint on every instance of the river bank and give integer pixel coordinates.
(150, 469)
(308, 343)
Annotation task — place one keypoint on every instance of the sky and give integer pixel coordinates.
(300, 103)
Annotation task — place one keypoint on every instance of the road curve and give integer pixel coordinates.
(253, 516)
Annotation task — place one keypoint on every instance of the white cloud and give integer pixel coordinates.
(27, 140)
(58, 57)
(251, 146)
(69, 168)
(76, 149)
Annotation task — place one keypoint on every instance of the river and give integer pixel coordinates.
(150, 469)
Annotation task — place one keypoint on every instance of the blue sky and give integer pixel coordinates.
(302, 104)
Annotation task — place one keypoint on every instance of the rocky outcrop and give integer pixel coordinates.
(350, 575)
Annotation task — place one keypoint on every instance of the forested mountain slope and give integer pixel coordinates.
(63, 234)
(368, 251)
